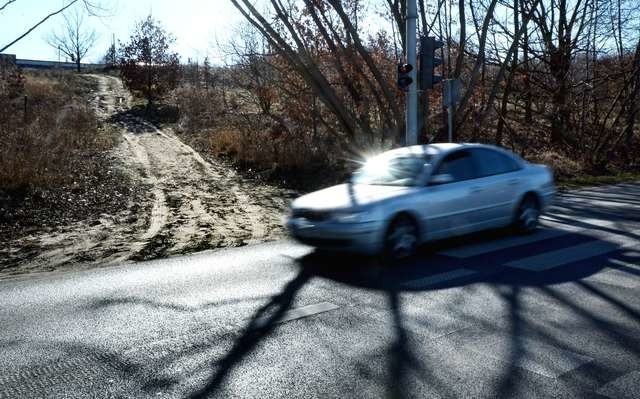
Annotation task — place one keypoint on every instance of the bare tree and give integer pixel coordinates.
(92, 7)
(75, 40)
(323, 45)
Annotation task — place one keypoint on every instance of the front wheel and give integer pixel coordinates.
(528, 215)
(401, 240)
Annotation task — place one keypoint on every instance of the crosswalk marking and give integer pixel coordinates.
(534, 356)
(593, 226)
(479, 249)
(615, 277)
(432, 325)
(554, 228)
(549, 260)
(603, 243)
(624, 387)
(298, 313)
(605, 203)
(439, 278)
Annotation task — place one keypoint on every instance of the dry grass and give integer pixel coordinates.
(563, 167)
(48, 131)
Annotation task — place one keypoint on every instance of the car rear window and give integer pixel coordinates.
(492, 162)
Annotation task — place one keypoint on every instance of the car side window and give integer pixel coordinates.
(491, 162)
(459, 165)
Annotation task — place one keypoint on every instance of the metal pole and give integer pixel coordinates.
(412, 95)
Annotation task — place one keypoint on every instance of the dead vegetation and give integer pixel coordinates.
(49, 132)
(55, 162)
(149, 196)
(311, 89)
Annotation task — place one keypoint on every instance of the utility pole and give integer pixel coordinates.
(411, 135)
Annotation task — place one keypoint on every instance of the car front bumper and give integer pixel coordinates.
(363, 238)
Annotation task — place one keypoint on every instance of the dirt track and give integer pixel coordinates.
(189, 204)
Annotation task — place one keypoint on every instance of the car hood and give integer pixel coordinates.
(348, 196)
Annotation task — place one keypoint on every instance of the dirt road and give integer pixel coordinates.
(189, 203)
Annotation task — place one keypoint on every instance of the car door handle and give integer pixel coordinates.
(513, 182)
(476, 190)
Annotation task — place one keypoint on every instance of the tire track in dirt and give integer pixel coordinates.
(189, 204)
(196, 204)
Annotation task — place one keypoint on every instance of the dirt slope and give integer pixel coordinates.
(189, 204)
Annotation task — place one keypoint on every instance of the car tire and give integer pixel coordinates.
(527, 215)
(401, 239)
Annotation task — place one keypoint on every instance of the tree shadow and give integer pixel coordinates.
(261, 325)
(134, 300)
(132, 122)
(508, 282)
(405, 360)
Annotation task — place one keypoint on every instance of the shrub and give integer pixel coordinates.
(45, 136)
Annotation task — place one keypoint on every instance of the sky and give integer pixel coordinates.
(198, 25)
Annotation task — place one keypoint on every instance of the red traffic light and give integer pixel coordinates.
(405, 68)
(404, 80)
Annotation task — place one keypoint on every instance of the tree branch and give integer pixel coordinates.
(36, 25)
(6, 4)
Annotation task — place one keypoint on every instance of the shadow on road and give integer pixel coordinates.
(512, 286)
(260, 327)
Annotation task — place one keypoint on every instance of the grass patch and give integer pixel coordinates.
(48, 130)
(55, 159)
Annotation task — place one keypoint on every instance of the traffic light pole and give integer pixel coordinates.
(411, 133)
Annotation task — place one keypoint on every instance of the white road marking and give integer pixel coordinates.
(549, 260)
(605, 203)
(299, 313)
(624, 387)
(554, 228)
(617, 277)
(603, 244)
(479, 249)
(534, 356)
(438, 278)
(595, 223)
(432, 325)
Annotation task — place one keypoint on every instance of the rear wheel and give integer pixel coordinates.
(401, 240)
(528, 215)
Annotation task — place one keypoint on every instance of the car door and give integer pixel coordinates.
(495, 188)
(448, 205)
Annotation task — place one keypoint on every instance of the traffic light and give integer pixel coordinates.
(404, 80)
(429, 61)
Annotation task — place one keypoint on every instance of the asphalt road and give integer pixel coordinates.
(554, 314)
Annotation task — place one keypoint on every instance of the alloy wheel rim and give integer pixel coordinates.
(403, 241)
(529, 216)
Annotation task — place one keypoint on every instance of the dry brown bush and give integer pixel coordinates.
(271, 146)
(563, 166)
(47, 130)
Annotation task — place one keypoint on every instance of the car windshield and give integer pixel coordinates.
(397, 170)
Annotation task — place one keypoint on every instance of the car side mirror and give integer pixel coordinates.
(441, 178)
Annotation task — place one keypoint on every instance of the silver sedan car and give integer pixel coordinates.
(407, 196)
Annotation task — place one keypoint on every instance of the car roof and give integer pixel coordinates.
(423, 149)
(438, 150)
(435, 149)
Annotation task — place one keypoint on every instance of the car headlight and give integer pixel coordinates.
(352, 217)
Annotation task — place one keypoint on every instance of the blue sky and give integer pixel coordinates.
(196, 24)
